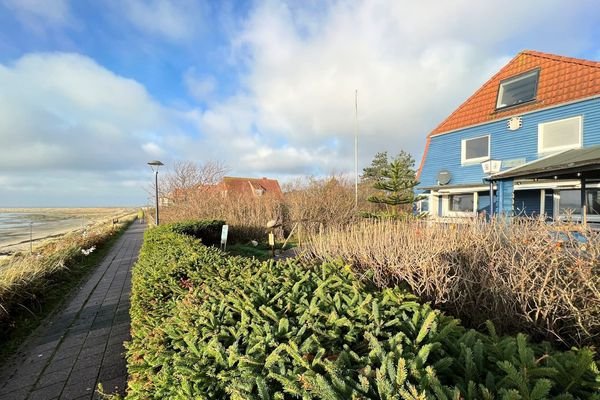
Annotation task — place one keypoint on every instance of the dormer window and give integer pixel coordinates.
(517, 90)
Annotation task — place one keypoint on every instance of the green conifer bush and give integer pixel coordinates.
(208, 326)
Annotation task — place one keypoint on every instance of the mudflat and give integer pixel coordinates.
(17, 224)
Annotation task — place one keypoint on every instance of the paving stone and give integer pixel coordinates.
(47, 393)
(92, 350)
(76, 391)
(108, 373)
(84, 362)
(50, 378)
(63, 363)
(96, 340)
(20, 394)
(18, 384)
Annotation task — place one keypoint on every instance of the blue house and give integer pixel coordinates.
(530, 137)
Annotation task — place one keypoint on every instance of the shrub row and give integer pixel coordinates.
(208, 231)
(525, 276)
(208, 326)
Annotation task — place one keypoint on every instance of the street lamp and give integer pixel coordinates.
(152, 165)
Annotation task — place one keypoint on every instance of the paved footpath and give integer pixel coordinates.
(82, 345)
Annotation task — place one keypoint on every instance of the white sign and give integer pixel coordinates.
(224, 232)
(271, 240)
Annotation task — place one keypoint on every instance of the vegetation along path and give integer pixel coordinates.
(74, 350)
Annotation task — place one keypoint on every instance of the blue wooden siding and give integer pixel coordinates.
(445, 150)
(505, 200)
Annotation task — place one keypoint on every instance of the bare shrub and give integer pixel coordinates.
(518, 275)
(187, 175)
(318, 203)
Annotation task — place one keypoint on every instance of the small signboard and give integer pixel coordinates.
(513, 162)
(224, 232)
(271, 239)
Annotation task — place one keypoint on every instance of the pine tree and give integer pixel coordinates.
(396, 186)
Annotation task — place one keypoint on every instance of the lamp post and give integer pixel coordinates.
(154, 165)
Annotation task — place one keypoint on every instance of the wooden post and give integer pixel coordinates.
(583, 203)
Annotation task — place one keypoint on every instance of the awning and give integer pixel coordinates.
(569, 164)
(479, 186)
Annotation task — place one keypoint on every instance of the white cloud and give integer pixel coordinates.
(174, 20)
(66, 117)
(152, 149)
(200, 87)
(412, 63)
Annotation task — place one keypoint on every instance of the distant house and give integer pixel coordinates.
(532, 131)
(228, 187)
(250, 187)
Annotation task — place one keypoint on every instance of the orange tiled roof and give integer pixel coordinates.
(248, 185)
(561, 79)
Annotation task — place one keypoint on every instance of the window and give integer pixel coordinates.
(462, 202)
(559, 135)
(475, 150)
(517, 90)
(483, 202)
(570, 202)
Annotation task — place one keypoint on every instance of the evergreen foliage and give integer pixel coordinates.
(394, 182)
(208, 326)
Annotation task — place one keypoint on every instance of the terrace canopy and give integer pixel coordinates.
(582, 164)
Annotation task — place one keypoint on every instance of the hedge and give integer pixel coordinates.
(209, 326)
(207, 231)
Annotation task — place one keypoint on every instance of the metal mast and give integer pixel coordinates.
(356, 148)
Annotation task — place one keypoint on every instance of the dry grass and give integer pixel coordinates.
(247, 216)
(516, 275)
(24, 275)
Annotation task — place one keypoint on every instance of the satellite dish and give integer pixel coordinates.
(444, 177)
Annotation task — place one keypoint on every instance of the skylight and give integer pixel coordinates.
(517, 90)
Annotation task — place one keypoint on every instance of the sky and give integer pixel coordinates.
(90, 91)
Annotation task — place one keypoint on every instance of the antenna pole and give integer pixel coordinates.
(356, 148)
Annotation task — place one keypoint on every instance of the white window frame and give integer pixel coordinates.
(542, 150)
(463, 151)
(446, 212)
(525, 75)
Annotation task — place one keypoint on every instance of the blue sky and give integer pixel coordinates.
(92, 90)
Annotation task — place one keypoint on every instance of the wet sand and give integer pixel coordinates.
(47, 223)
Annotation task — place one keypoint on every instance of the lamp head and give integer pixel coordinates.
(155, 163)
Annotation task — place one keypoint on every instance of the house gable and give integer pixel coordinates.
(561, 80)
